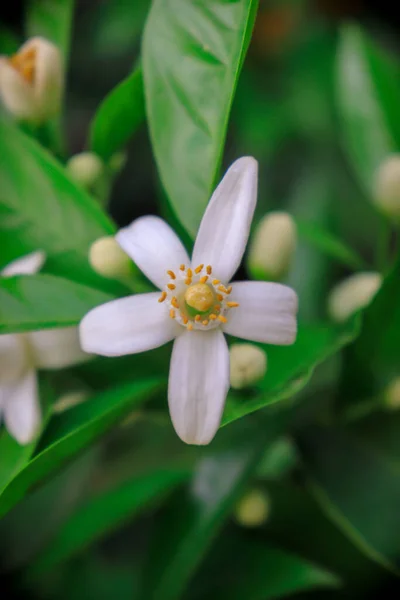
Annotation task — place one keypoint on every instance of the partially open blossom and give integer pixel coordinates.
(31, 81)
(21, 354)
(196, 305)
(253, 509)
(272, 246)
(86, 169)
(107, 258)
(386, 193)
(248, 365)
(352, 294)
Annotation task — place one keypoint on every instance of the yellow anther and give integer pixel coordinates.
(212, 317)
(216, 281)
(197, 318)
(188, 281)
(222, 289)
(209, 269)
(174, 302)
(232, 304)
(172, 313)
(182, 267)
(205, 322)
(229, 289)
(222, 319)
(189, 327)
(200, 297)
(162, 297)
(171, 286)
(189, 273)
(203, 279)
(171, 274)
(198, 269)
(184, 319)
(217, 307)
(220, 297)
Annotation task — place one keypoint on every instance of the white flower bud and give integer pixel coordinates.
(272, 247)
(387, 186)
(351, 294)
(248, 364)
(31, 81)
(85, 169)
(391, 395)
(253, 509)
(108, 259)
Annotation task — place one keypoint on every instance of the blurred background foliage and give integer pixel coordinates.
(140, 515)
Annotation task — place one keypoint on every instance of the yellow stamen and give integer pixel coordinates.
(220, 297)
(182, 267)
(217, 307)
(172, 313)
(197, 318)
(162, 297)
(232, 304)
(229, 289)
(203, 279)
(171, 286)
(198, 269)
(222, 319)
(209, 269)
(189, 273)
(216, 281)
(189, 327)
(25, 63)
(222, 289)
(205, 322)
(171, 274)
(188, 281)
(212, 317)
(174, 302)
(184, 319)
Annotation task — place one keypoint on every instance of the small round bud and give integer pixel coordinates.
(248, 364)
(272, 247)
(391, 396)
(108, 259)
(387, 186)
(253, 509)
(86, 169)
(352, 294)
(69, 400)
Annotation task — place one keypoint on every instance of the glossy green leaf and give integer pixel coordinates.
(290, 368)
(190, 521)
(255, 570)
(192, 55)
(72, 431)
(358, 489)
(34, 302)
(51, 20)
(368, 96)
(323, 241)
(119, 116)
(40, 208)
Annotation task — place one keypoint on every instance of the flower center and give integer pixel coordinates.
(195, 299)
(24, 63)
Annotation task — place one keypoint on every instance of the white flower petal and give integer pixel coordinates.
(198, 384)
(225, 227)
(16, 93)
(55, 348)
(13, 357)
(267, 312)
(154, 247)
(26, 265)
(127, 326)
(21, 407)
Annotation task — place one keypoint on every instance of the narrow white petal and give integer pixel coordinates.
(55, 348)
(22, 415)
(224, 230)
(267, 312)
(154, 247)
(127, 326)
(26, 265)
(13, 357)
(198, 384)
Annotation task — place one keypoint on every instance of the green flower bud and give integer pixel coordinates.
(248, 364)
(352, 294)
(86, 169)
(253, 509)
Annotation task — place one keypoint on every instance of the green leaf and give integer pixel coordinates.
(256, 570)
(290, 367)
(330, 245)
(32, 302)
(40, 208)
(358, 489)
(192, 55)
(100, 515)
(51, 20)
(190, 521)
(118, 116)
(72, 431)
(368, 96)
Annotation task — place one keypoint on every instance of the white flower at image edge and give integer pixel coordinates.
(22, 353)
(197, 304)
